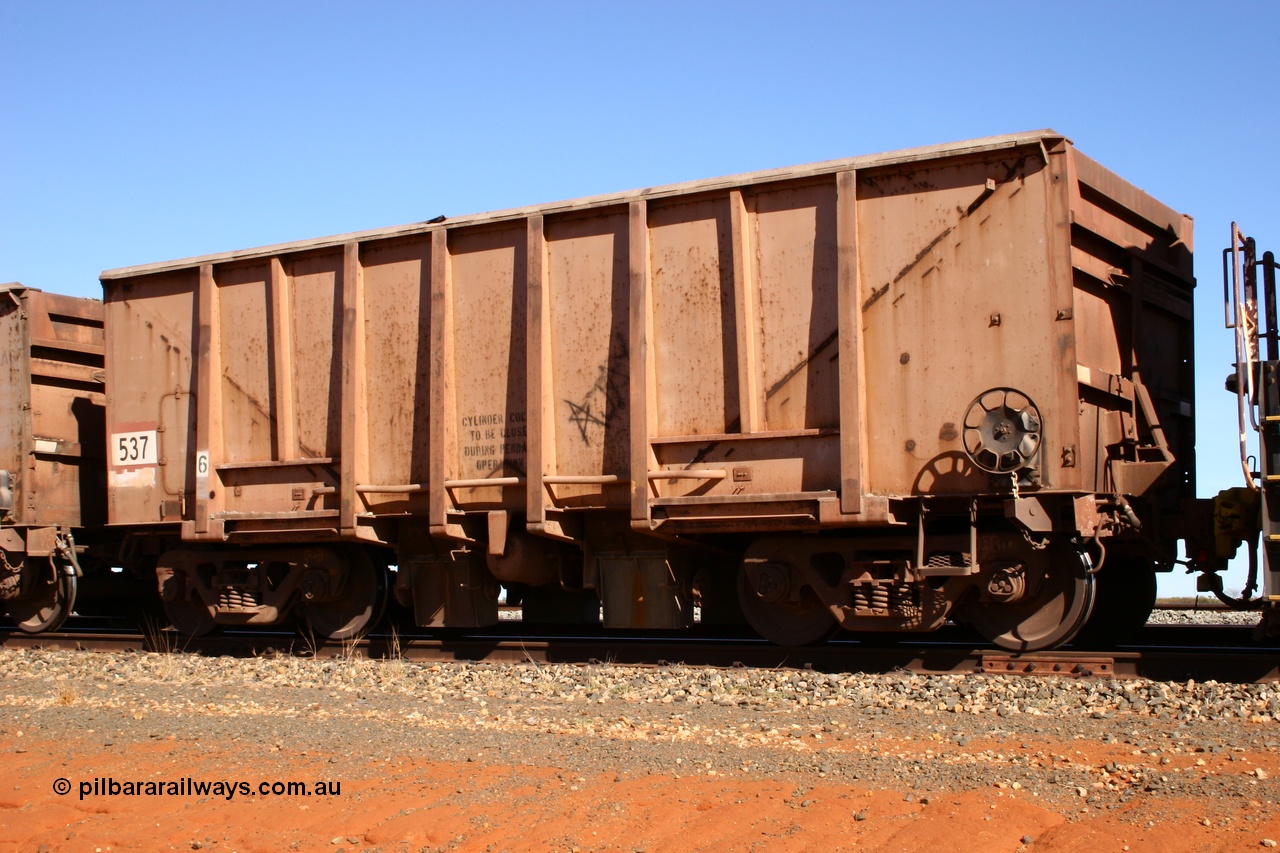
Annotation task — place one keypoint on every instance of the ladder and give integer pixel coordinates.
(1257, 386)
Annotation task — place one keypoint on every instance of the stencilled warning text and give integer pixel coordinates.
(489, 441)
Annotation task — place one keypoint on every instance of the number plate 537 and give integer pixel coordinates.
(134, 448)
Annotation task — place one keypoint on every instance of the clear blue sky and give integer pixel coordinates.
(139, 132)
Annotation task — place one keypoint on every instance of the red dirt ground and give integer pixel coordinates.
(481, 806)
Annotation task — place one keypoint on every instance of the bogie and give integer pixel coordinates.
(1018, 594)
(338, 593)
(47, 597)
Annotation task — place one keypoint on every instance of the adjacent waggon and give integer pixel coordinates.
(878, 394)
(52, 472)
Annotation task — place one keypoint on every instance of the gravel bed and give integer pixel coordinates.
(622, 686)
(1207, 616)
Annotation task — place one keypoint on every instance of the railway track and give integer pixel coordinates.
(1163, 653)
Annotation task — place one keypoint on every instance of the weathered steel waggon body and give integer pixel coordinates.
(52, 472)
(879, 393)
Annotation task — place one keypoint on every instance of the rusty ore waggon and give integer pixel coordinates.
(52, 470)
(877, 393)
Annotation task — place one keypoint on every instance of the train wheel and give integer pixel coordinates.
(777, 604)
(1126, 596)
(1030, 599)
(48, 604)
(357, 607)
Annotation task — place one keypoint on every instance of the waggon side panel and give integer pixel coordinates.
(150, 389)
(694, 333)
(587, 320)
(397, 320)
(740, 316)
(793, 230)
(488, 317)
(315, 290)
(247, 417)
(955, 272)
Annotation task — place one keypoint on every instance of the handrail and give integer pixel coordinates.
(392, 490)
(480, 483)
(690, 474)
(1242, 316)
(582, 480)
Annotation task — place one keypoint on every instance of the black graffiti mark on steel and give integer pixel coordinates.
(1010, 174)
(607, 398)
(581, 414)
